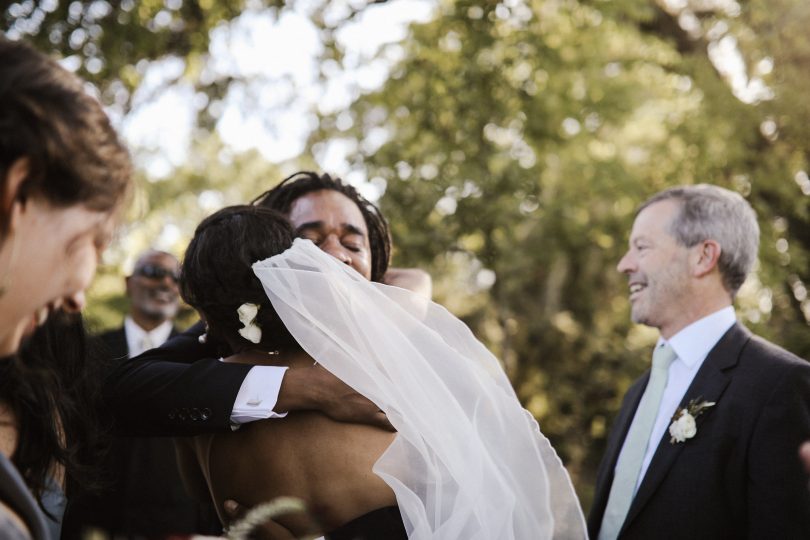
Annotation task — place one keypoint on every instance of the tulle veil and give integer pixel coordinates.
(468, 462)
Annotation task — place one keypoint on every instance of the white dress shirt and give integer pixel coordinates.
(692, 345)
(140, 340)
(259, 391)
(258, 395)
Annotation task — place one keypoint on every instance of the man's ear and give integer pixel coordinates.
(13, 196)
(705, 257)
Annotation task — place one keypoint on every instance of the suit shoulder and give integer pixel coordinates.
(771, 366)
(110, 334)
(759, 347)
(112, 343)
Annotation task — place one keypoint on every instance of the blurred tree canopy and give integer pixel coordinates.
(512, 142)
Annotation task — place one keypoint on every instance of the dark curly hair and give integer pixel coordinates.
(216, 277)
(282, 196)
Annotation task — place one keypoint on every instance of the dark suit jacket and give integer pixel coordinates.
(740, 476)
(146, 496)
(180, 388)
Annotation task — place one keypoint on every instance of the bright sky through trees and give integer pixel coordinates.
(273, 111)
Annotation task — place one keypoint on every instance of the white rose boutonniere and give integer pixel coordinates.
(683, 424)
(247, 316)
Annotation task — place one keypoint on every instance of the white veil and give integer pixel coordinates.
(468, 462)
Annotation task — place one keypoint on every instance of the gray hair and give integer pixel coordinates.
(713, 213)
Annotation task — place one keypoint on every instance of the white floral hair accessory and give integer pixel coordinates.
(683, 424)
(247, 316)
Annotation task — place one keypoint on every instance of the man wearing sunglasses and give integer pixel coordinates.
(146, 497)
(154, 299)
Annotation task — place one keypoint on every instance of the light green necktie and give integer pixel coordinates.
(631, 457)
(146, 343)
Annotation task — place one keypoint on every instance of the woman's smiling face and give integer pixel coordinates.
(49, 255)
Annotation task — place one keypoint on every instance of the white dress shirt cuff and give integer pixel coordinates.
(258, 395)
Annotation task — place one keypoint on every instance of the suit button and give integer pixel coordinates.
(205, 414)
(195, 414)
(172, 414)
(182, 414)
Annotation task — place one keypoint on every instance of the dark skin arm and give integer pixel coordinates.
(413, 279)
(314, 388)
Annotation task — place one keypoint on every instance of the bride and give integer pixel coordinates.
(466, 462)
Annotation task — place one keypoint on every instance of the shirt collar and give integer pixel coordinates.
(158, 335)
(693, 343)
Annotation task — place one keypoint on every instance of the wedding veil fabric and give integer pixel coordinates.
(468, 462)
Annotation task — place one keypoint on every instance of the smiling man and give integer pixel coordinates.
(154, 299)
(727, 468)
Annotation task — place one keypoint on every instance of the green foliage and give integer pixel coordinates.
(520, 138)
(112, 40)
(514, 141)
(166, 212)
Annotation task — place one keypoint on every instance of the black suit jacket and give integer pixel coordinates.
(180, 388)
(145, 497)
(740, 476)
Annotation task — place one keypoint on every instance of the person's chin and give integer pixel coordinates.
(162, 312)
(639, 315)
(8, 349)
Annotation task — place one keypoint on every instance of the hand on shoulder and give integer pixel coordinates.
(414, 279)
(314, 388)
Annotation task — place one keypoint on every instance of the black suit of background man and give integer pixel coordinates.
(144, 496)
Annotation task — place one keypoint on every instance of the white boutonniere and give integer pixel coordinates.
(683, 424)
(247, 316)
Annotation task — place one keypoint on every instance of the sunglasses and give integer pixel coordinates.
(153, 271)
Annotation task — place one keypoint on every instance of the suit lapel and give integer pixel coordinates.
(709, 385)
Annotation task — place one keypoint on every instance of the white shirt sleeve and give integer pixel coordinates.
(258, 395)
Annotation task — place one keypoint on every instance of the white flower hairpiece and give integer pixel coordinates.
(247, 316)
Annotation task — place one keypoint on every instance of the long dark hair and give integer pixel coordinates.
(216, 276)
(295, 186)
(53, 388)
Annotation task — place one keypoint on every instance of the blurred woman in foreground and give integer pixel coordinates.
(63, 177)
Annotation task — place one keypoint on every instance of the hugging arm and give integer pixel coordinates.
(414, 279)
(181, 388)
